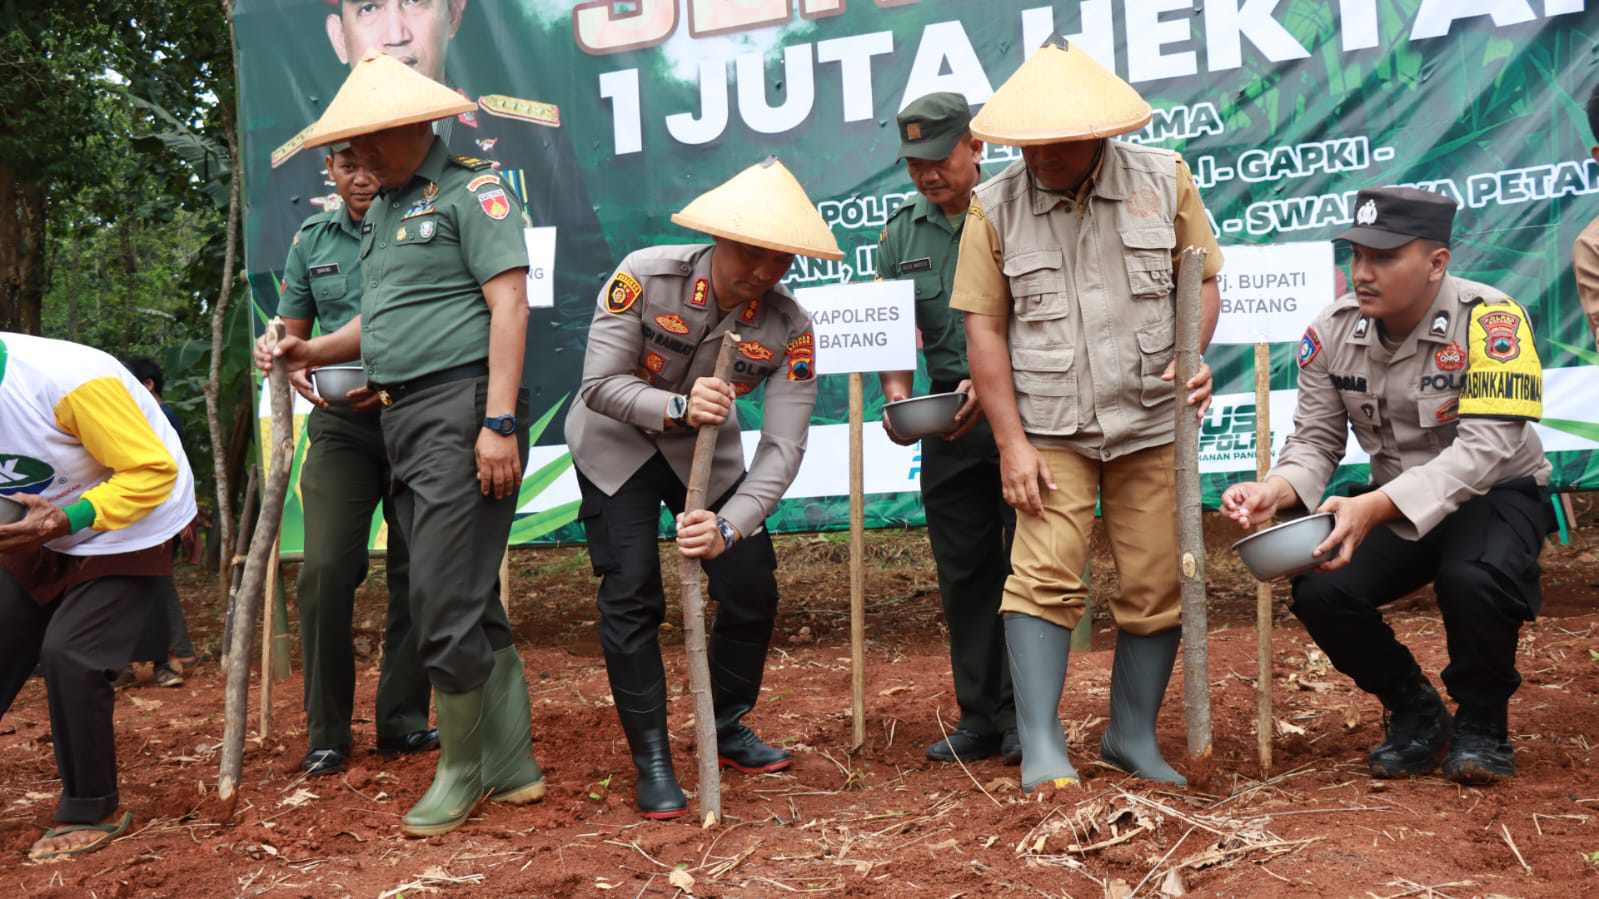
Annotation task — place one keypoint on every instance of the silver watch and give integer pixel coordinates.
(729, 535)
(677, 410)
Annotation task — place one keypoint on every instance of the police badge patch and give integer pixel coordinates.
(802, 358)
(623, 293)
(1309, 346)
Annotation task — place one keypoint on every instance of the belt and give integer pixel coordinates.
(389, 394)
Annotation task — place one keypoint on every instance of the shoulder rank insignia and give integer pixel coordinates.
(623, 293)
(702, 289)
(1504, 377)
(546, 114)
(472, 162)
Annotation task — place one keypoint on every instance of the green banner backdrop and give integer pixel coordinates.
(1283, 109)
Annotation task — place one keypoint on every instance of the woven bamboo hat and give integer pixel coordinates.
(763, 206)
(1060, 94)
(383, 93)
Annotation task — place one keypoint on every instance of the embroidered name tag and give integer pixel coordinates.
(317, 271)
(924, 264)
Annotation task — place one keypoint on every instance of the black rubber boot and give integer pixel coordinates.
(1038, 652)
(1137, 687)
(964, 745)
(638, 684)
(1482, 754)
(736, 671)
(1419, 728)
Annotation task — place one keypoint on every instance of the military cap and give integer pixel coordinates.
(1389, 217)
(931, 126)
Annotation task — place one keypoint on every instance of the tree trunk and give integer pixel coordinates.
(1190, 527)
(22, 248)
(252, 586)
(213, 384)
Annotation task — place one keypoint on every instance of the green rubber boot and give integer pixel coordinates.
(510, 773)
(458, 781)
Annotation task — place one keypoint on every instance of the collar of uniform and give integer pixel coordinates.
(432, 168)
(1106, 180)
(345, 221)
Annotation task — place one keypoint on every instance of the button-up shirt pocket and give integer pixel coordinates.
(1438, 418)
(1038, 294)
(1149, 260)
(329, 288)
(1365, 416)
(1155, 347)
(1046, 389)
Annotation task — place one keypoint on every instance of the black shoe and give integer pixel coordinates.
(967, 746)
(322, 762)
(1482, 754)
(1419, 728)
(736, 670)
(638, 684)
(410, 744)
(1010, 747)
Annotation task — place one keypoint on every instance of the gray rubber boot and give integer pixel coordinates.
(457, 786)
(1037, 652)
(1137, 687)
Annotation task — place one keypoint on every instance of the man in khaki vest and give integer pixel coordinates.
(1066, 279)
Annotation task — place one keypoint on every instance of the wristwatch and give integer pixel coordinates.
(503, 425)
(729, 535)
(677, 410)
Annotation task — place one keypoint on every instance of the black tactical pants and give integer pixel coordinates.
(1482, 561)
(970, 527)
(623, 534)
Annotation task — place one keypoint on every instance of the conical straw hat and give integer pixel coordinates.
(1060, 94)
(383, 93)
(766, 207)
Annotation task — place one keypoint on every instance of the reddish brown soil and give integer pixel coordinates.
(878, 822)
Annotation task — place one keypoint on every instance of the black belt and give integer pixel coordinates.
(389, 394)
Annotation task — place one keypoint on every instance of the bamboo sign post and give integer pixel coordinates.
(866, 327)
(1190, 528)
(1263, 716)
(699, 668)
(252, 584)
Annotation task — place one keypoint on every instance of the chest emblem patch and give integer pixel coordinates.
(401, 234)
(1448, 411)
(431, 192)
(1450, 358)
(426, 229)
(654, 363)
(1309, 346)
(672, 322)
(1501, 327)
(702, 291)
(494, 204)
(752, 350)
(623, 293)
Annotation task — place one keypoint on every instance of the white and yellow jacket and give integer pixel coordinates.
(76, 429)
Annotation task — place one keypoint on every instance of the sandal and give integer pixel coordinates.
(111, 831)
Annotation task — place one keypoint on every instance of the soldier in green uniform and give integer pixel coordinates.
(343, 478)
(968, 521)
(441, 330)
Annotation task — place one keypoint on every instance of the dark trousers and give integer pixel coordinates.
(344, 477)
(1482, 561)
(456, 534)
(623, 532)
(79, 642)
(970, 527)
(166, 631)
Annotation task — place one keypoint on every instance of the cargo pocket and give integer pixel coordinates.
(1038, 295)
(1149, 260)
(1155, 347)
(1438, 418)
(1046, 389)
(602, 558)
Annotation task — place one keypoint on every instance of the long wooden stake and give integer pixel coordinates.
(1263, 604)
(236, 559)
(505, 581)
(268, 622)
(699, 666)
(857, 572)
(274, 489)
(1190, 527)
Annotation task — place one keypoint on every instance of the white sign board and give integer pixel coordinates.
(865, 327)
(540, 267)
(1270, 294)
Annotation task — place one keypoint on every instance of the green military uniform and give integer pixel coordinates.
(426, 250)
(968, 521)
(344, 476)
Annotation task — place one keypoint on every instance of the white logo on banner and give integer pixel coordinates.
(1367, 214)
(1270, 294)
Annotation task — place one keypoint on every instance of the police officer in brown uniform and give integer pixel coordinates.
(1440, 380)
(1066, 279)
(647, 389)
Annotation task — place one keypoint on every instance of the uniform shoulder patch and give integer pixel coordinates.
(1309, 346)
(802, 357)
(479, 181)
(472, 162)
(494, 203)
(1504, 377)
(622, 293)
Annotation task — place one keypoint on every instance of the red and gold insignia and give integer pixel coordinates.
(702, 290)
(740, 388)
(481, 180)
(1309, 346)
(494, 204)
(1501, 344)
(755, 351)
(546, 114)
(751, 309)
(623, 293)
(1448, 411)
(802, 358)
(672, 322)
(653, 363)
(1450, 358)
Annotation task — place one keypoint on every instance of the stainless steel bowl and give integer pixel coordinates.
(11, 511)
(1286, 549)
(925, 416)
(334, 382)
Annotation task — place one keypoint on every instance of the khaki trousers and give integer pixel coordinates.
(1138, 494)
